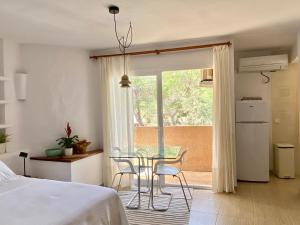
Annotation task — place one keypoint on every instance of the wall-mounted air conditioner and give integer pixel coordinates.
(264, 63)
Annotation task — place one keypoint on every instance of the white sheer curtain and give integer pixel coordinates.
(224, 157)
(117, 114)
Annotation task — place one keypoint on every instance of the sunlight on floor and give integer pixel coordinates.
(193, 178)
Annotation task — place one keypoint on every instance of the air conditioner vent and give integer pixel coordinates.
(264, 63)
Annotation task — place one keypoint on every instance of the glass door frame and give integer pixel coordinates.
(160, 110)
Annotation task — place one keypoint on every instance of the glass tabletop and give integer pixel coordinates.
(152, 153)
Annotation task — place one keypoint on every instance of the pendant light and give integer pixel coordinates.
(124, 43)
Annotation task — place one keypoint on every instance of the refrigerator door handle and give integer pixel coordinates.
(252, 122)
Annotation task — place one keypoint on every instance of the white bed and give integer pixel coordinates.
(29, 201)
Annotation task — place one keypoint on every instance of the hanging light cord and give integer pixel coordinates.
(123, 42)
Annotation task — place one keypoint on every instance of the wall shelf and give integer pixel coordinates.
(2, 78)
(4, 126)
(2, 102)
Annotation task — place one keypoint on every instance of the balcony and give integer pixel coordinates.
(197, 140)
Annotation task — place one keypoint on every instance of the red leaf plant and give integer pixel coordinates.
(68, 142)
(68, 130)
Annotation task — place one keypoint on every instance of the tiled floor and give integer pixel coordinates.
(274, 203)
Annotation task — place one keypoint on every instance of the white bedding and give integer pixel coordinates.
(28, 201)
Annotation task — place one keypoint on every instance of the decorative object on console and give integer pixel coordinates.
(21, 86)
(80, 147)
(3, 141)
(68, 142)
(54, 152)
(24, 156)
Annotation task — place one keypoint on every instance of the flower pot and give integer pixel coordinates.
(2, 148)
(68, 151)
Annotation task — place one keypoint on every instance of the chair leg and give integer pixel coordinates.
(149, 201)
(160, 186)
(120, 182)
(147, 178)
(113, 181)
(152, 201)
(162, 191)
(152, 191)
(157, 183)
(188, 187)
(187, 204)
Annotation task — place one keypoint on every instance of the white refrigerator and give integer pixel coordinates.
(252, 140)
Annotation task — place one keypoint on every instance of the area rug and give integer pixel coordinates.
(177, 214)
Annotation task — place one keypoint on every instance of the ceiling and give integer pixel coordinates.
(253, 24)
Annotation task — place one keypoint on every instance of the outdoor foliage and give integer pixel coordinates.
(184, 101)
(145, 106)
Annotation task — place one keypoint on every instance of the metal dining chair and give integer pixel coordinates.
(163, 168)
(125, 166)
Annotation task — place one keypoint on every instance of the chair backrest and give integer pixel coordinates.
(181, 155)
(179, 159)
(121, 162)
(116, 152)
(141, 153)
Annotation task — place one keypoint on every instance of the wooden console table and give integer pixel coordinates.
(83, 169)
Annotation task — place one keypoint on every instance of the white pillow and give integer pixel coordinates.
(5, 172)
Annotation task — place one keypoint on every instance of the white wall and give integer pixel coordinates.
(285, 107)
(62, 87)
(294, 53)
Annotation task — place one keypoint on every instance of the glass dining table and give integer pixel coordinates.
(151, 155)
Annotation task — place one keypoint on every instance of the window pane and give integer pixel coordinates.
(187, 119)
(185, 102)
(145, 111)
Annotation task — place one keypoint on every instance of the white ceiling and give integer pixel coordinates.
(87, 23)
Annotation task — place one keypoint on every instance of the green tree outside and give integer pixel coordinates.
(185, 102)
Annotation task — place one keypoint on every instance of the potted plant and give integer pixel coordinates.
(3, 141)
(68, 142)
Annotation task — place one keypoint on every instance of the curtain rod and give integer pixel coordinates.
(158, 51)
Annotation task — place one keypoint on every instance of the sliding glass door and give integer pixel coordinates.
(173, 109)
(187, 123)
